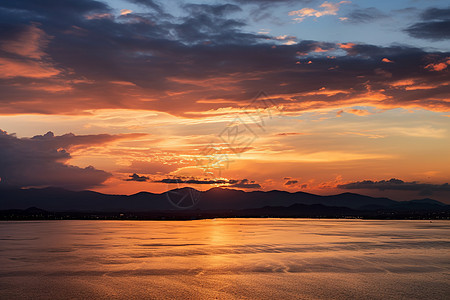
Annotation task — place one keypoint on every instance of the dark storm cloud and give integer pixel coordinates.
(435, 25)
(41, 161)
(87, 58)
(136, 177)
(365, 15)
(397, 184)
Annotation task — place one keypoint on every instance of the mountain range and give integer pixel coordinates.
(213, 202)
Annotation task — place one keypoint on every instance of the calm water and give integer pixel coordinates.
(225, 259)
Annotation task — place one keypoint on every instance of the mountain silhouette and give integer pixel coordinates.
(215, 199)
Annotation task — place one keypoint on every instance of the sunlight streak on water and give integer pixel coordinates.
(225, 258)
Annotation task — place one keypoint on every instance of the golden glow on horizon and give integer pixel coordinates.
(172, 145)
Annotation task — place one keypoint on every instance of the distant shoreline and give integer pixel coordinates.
(180, 215)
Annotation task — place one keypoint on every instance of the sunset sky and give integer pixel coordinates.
(324, 97)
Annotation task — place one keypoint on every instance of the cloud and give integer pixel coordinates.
(148, 3)
(397, 184)
(328, 8)
(438, 66)
(124, 12)
(136, 177)
(42, 160)
(365, 15)
(99, 16)
(289, 39)
(212, 9)
(436, 14)
(246, 184)
(267, 4)
(210, 24)
(435, 25)
(151, 167)
(262, 10)
(274, 2)
(11, 68)
(28, 41)
(193, 181)
(291, 182)
(50, 11)
(387, 60)
(291, 133)
(358, 112)
(24, 47)
(193, 63)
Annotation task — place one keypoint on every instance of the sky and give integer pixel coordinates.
(325, 97)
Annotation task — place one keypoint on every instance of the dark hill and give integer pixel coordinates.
(60, 200)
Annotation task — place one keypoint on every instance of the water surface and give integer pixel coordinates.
(225, 259)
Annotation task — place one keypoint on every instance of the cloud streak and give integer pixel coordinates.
(397, 185)
(243, 183)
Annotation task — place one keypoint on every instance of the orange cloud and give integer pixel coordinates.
(404, 82)
(327, 9)
(438, 66)
(359, 112)
(386, 60)
(50, 87)
(124, 12)
(412, 85)
(291, 133)
(369, 135)
(15, 68)
(318, 49)
(125, 83)
(99, 16)
(29, 43)
(285, 37)
(346, 45)
(326, 92)
(424, 87)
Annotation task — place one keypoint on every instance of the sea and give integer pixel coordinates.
(225, 259)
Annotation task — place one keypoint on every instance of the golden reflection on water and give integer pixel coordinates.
(225, 258)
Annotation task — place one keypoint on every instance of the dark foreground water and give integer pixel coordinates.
(225, 259)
